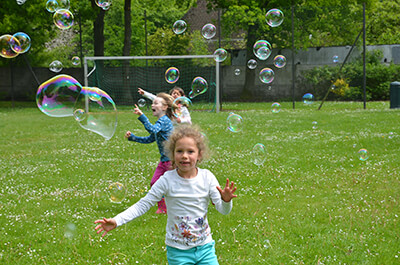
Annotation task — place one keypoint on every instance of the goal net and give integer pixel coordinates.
(121, 76)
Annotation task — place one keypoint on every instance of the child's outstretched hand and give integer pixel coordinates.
(137, 110)
(140, 91)
(127, 134)
(105, 225)
(227, 193)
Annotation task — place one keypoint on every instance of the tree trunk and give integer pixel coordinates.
(98, 30)
(127, 93)
(247, 92)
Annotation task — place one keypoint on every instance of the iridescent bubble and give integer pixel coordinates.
(80, 115)
(308, 98)
(76, 60)
(258, 154)
(262, 49)
(100, 110)
(70, 231)
(267, 75)
(5, 47)
(22, 45)
(335, 59)
(171, 75)
(116, 192)
(199, 86)
(237, 71)
(104, 4)
(141, 102)
(208, 31)
(363, 154)
(57, 96)
(314, 125)
(180, 102)
(63, 4)
(235, 123)
(63, 18)
(56, 66)
(280, 61)
(274, 17)
(52, 6)
(276, 107)
(220, 55)
(179, 27)
(252, 64)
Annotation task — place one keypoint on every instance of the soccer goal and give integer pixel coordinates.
(121, 76)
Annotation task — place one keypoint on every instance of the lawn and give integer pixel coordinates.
(313, 201)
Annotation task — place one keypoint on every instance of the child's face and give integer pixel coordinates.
(186, 155)
(159, 107)
(175, 94)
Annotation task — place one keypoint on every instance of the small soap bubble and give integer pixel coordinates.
(314, 125)
(57, 96)
(308, 98)
(280, 61)
(63, 4)
(220, 55)
(171, 75)
(363, 154)
(5, 47)
(208, 31)
(276, 107)
(22, 45)
(80, 115)
(252, 64)
(237, 71)
(116, 192)
(63, 18)
(56, 66)
(21, 2)
(76, 60)
(199, 86)
(262, 49)
(267, 75)
(51, 6)
(70, 231)
(274, 17)
(101, 117)
(258, 154)
(104, 4)
(235, 123)
(141, 102)
(179, 27)
(335, 59)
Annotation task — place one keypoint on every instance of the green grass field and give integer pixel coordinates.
(312, 202)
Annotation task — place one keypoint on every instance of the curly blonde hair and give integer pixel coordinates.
(186, 130)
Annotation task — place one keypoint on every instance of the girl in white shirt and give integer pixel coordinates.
(188, 191)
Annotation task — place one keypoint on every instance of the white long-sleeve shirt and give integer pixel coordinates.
(187, 202)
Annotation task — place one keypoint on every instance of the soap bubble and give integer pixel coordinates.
(63, 4)
(57, 96)
(180, 102)
(363, 154)
(56, 66)
(52, 6)
(104, 4)
(221, 54)
(262, 49)
(235, 122)
(5, 47)
(258, 154)
(141, 102)
(308, 98)
(116, 192)
(208, 31)
(276, 107)
(314, 125)
(100, 111)
(280, 61)
(335, 59)
(171, 75)
(22, 45)
(267, 75)
(63, 18)
(252, 64)
(21, 2)
(179, 27)
(237, 71)
(76, 60)
(274, 17)
(70, 231)
(199, 86)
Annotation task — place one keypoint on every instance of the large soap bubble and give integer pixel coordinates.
(5, 47)
(262, 49)
(63, 18)
(57, 96)
(95, 111)
(199, 86)
(274, 17)
(171, 75)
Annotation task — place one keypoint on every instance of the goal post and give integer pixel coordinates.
(121, 76)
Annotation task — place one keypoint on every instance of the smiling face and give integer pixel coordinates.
(186, 155)
(159, 107)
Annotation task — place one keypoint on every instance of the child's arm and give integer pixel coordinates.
(227, 193)
(157, 127)
(105, 225)
(222, 198)
(146, 94)
(143, 140)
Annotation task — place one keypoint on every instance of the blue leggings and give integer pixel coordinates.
(201, 255)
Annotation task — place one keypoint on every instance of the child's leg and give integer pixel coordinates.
(206, 254)
(202, 255)
(160, 170)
